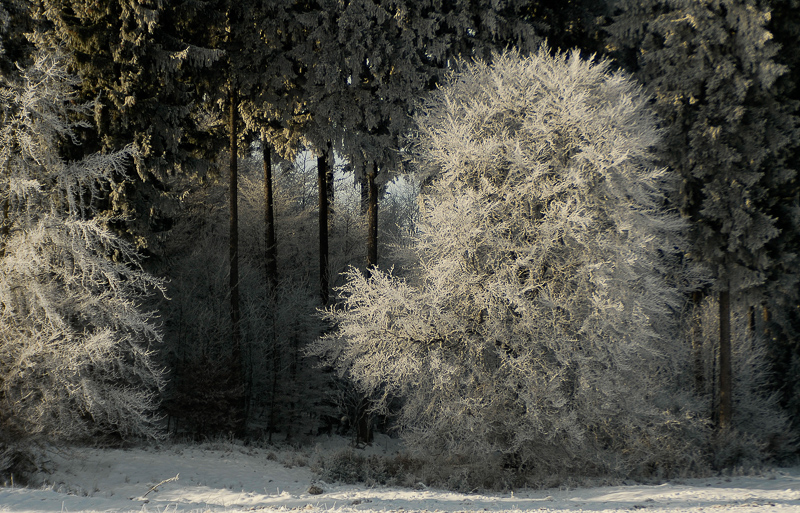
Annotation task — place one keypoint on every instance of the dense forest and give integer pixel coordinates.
(587, 258)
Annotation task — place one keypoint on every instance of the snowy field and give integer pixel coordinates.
(220, 477)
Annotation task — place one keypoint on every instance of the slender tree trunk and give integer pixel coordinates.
(363, 422)
(329, 182)
(240, 397)
(270, 256)
(234, 227)
(766, 318)
(697, 344)
(271, 261)
(322, 186)
(725, 381)
(5, 227)
(751, 319)
(372, 219)
(364, 186)
(273, 393)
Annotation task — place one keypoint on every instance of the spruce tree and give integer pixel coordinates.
(780, 319)
(364, 63)
(76, 344)
(568, 24)
(711, 67)
(15, 21)
(135, 66)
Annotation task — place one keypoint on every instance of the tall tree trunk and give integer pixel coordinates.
(270, 256)
(271, 261)
(697, 343)
(725, 374)
(372, 219)
(273, 393)
(239, 395)
(322, 186)
(5, 227)
(363, 418)
(233, 242)
(364, 187)
(329, 182)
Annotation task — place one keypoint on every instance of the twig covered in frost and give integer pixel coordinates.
(154, 488)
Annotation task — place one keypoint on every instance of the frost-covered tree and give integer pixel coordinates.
(570, 24)
(136, 67)
(365, 63)
(76, 345)
(537, 315)
(711, 66)
(780, 313)
(14, 23)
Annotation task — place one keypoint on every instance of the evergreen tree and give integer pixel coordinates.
(365, 62)
(132, 62)
(136, 70)
(75, 344)
(15, 21)
(780, 322)
(711, 66)
(569, 24)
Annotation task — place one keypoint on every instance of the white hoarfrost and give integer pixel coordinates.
(75, 344)
(535, 323)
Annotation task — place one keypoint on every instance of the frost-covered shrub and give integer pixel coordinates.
(75, 342)
(399, 469)
(537, 315)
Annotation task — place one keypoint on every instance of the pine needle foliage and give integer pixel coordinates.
(719, 85)
(76, 346)
(537, 314)
(712, 68)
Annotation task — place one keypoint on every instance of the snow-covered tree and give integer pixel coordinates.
(14, 22)
(538, 313)
(365, 63)
(75, 342)
(784, 281)
(711, 67)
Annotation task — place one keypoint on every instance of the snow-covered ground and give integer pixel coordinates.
(225, 477)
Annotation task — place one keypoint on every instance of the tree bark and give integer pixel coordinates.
(363, 422)
(271, 249)
(5, 227)
(364, 187)
(233, 244)
(697, 344)
(322, 186)
(372, 219)
(725, 373)
(271, 262)
(329, 183)
(239, 396)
